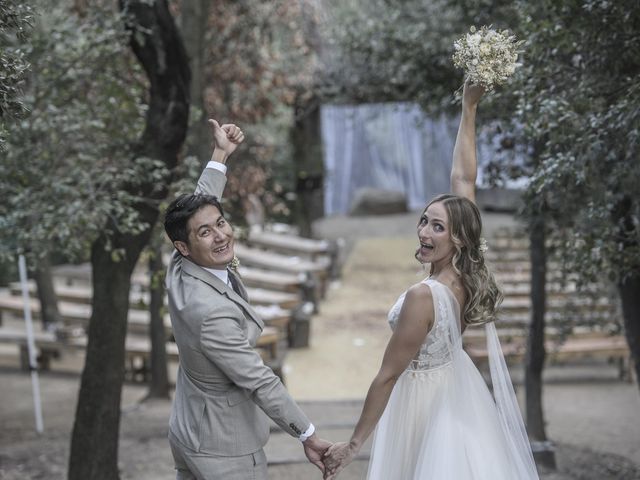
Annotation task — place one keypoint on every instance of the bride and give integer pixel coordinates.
(435, 416)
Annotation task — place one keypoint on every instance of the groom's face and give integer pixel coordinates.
(211, 241)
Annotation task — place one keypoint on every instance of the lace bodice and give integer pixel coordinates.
(437, 348)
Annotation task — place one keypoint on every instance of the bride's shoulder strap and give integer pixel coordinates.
(445, 306)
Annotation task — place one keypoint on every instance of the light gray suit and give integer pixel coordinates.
(218, 424)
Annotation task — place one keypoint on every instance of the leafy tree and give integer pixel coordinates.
(67, 160)
(390, 50)
(579, 103)
(15, 25)
(156, 43)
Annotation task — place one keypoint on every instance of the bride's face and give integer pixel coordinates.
(434, 235)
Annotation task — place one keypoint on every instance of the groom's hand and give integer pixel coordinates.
(226, 139)
(314, 449)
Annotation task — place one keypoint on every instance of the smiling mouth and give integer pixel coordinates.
(222, 249)
(426, 245)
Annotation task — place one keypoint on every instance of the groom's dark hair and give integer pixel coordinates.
(181, 210)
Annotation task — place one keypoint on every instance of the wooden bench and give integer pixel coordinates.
(140, 300)
(609, 347)
(73, 283)
(289, 244)
(72, 274)
(78, 315)
(578, 323)
(137, 350)
(79, 292)
(265, 260)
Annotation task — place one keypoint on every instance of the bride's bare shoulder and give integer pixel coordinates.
(419, 294)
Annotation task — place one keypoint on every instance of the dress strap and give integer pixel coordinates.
(446, 305)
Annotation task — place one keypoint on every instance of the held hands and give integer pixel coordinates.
(337, 457)
(314, 449)
(226, 139)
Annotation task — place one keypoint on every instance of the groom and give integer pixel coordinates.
(224, 392)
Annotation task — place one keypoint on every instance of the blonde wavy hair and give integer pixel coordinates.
(465, 227)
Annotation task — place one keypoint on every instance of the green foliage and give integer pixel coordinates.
(384, 50)
(579, 102)
(68, 160)
(15, 23)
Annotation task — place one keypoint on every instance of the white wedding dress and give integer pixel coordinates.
(441, 422)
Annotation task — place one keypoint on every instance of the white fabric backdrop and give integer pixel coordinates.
(391, 146)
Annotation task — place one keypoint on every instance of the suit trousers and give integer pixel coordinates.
(192, 465)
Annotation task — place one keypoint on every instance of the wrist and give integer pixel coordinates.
(219, 156)
(470, 108)
(355, 445)
(310, 440)
(308, 433)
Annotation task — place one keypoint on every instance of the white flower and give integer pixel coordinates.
(487, 56)
(474, 40)
(483, 247)
(235, 263)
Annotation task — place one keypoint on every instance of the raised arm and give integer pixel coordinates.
(413, 326)
(226, 139)
(464, 169)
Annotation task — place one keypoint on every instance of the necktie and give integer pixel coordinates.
(235, 284)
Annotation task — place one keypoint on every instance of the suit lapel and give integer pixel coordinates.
(201, 274)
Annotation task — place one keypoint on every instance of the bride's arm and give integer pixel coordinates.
(464, 167)
(415, 320)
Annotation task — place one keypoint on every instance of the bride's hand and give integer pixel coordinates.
(471, 94)
(336, 458)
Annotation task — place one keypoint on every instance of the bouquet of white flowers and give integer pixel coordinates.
(487, 56)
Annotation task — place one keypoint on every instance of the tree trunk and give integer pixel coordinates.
(94, 444)
(307, 155)
(535, 345)
(49, 313)
(158, 47)
(629, 287)
(193, 27)
(159, 383)
(630, 295)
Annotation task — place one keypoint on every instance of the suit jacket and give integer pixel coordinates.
(223, 389)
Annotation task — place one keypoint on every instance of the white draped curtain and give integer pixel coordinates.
(391, 146)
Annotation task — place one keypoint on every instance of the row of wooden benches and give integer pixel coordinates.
(284, 285)
(580, 322)
(50, 345)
